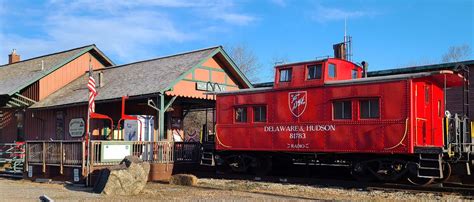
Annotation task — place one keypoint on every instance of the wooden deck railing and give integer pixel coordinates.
(187, 152)
(73, 153)
(55, 153)
(153, 152)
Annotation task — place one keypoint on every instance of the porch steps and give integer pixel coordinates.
(430, 166)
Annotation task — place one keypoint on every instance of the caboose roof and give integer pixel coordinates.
(312, 61)
(378, 79)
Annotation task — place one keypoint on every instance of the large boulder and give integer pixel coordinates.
(127, 178)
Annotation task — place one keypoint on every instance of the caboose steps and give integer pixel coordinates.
(207, 158)
(430, 166)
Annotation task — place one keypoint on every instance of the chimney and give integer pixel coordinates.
(365, 66)
(340, 51)
(13, 57)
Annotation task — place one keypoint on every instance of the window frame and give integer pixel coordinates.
(370, 117)
(265, 116)
(335, 70)
(246, 115)
(334, 110)
(356, 74)
(320, 65)
(290, 70)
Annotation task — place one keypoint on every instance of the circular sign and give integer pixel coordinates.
(77, 127)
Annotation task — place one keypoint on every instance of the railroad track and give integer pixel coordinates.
(346, 182)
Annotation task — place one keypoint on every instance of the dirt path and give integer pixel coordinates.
(207, 189)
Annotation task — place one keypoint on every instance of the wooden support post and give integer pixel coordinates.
(83, 151)
(27, 148)
(61, 155)
(92, 159)
(161, 112)
(44, 157)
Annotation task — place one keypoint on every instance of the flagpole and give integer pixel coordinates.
(88, 135)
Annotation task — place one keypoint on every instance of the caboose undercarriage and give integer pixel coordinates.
(425, 166)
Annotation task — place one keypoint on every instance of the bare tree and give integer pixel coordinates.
(457, 53)
(246, 60)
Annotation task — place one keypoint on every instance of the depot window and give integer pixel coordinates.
(332, 70)
(314, 71)
(342, 110)
(241, 114)
(370, 109)
(285, 75)
(260, 114)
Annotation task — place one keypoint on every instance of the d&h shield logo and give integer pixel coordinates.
(297, 102)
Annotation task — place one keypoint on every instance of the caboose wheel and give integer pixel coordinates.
(446, 172)
(361, 173)
(263, 166)
(240, 163)
(418, 181)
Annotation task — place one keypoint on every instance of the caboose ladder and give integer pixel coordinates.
(430, 166)
(207, 154)
(207, 159)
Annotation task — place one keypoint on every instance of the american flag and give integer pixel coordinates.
(92, 92)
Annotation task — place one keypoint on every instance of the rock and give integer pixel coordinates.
(127, 178)
(184, 179)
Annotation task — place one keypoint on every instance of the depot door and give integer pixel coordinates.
(423, 111)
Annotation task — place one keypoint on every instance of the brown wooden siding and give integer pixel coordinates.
(66, 74)
(8, 130)
(41, 124)
(32, 91)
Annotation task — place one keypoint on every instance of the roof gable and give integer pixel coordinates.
(14, 77)
(140, 78)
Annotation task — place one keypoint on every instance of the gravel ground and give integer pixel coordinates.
(209, 189)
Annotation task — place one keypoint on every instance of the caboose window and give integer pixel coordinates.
(241, 114)
(260, 114)
(342, 110)
(354, 74)
(285, 75)
(314, 71)
(332, 70)
(369, 109)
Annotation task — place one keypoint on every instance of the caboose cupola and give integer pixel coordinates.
(315, 73)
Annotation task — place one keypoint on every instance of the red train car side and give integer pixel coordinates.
(325, 108)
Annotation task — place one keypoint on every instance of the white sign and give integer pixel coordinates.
(77, 127)
(76, 175)
(204, 86)
(30, 171)
(116, 151)
(131, 130)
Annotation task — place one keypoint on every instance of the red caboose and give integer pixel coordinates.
(326, 110)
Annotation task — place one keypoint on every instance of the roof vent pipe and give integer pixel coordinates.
(42, 65)
(101, 79)
(365, 66)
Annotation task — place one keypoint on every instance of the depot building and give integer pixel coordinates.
(46, 97)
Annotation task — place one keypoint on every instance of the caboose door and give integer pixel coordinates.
(423, 112)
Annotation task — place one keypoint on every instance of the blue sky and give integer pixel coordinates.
(387, 34)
